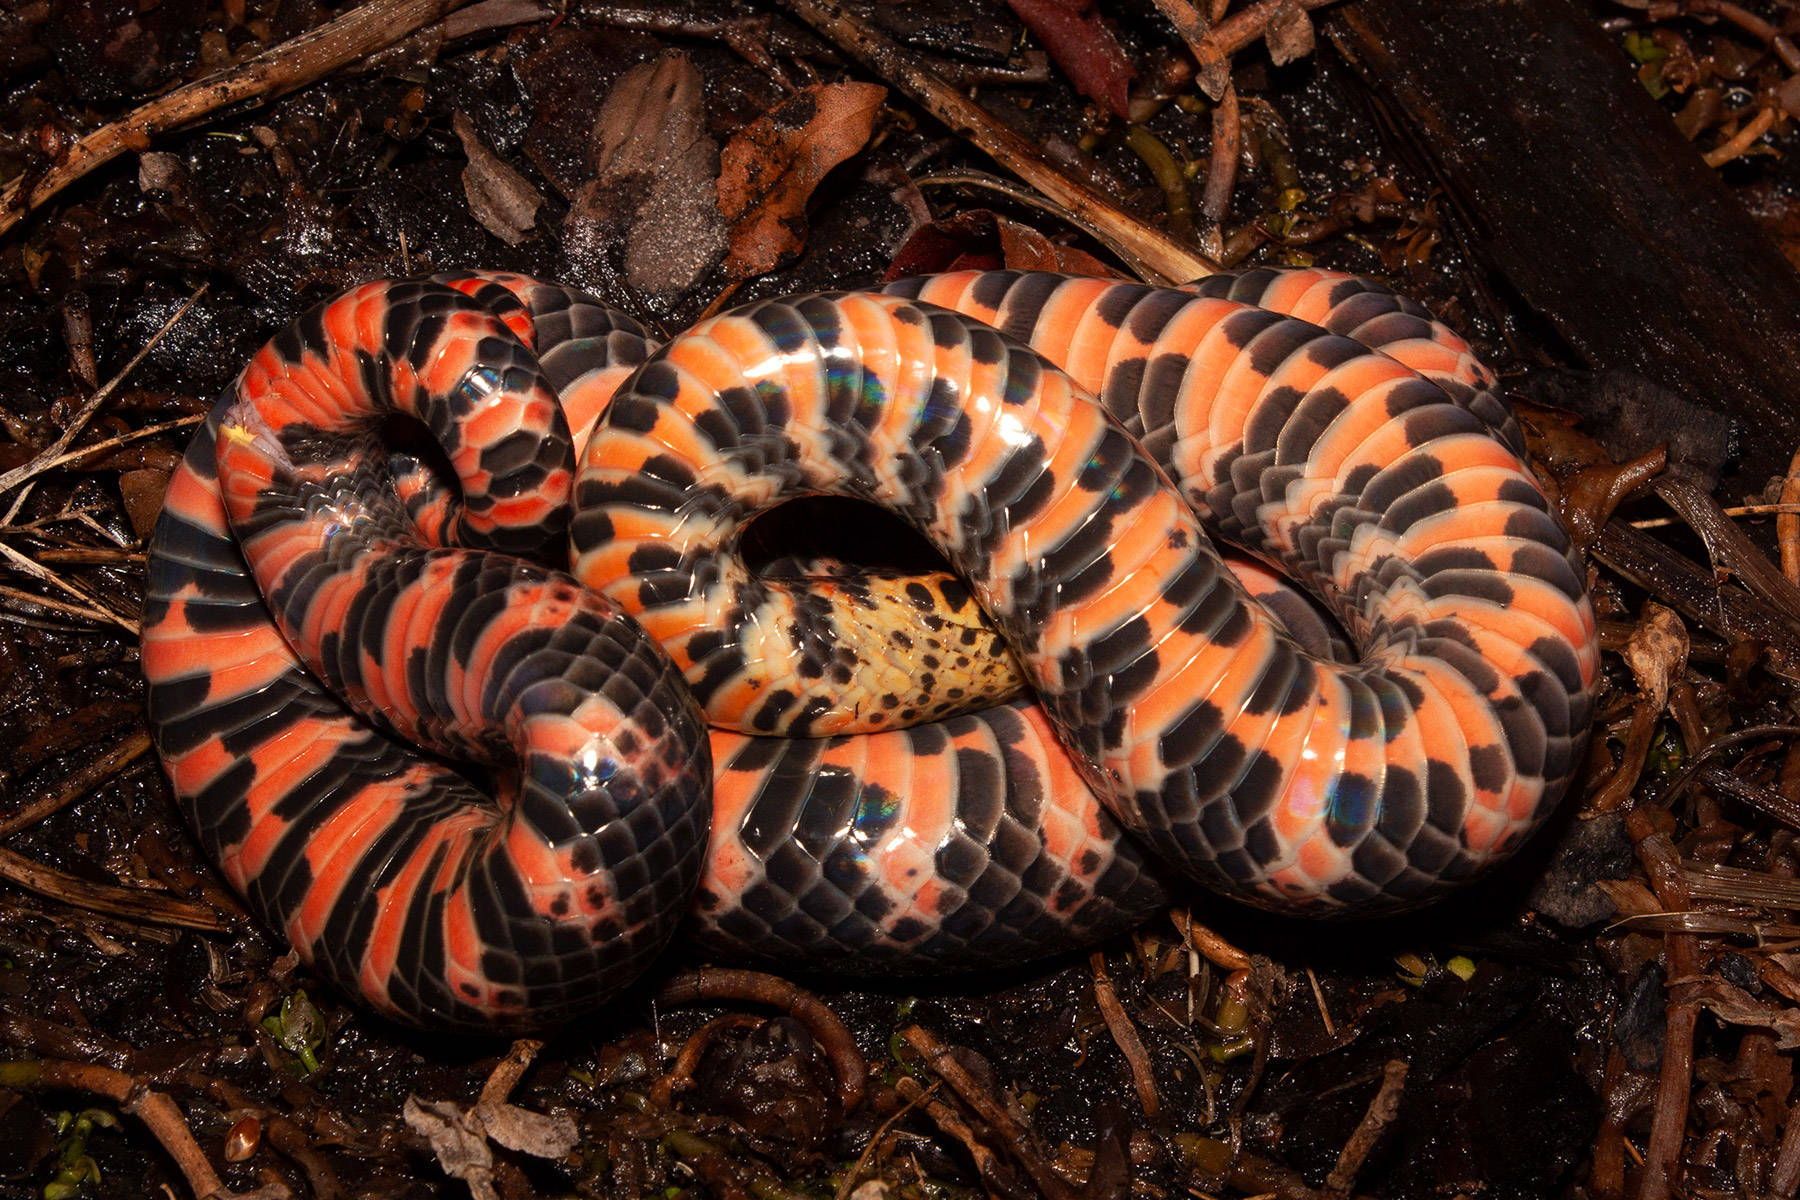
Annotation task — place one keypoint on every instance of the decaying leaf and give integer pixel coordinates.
(1657, 651)
(1290, 35)
(534, 1133)
(142, 491)
(499, 197)
(1735, 1006)
(459, 1136)
(653, 182)
(1082, 46)
(769, 170)
(457, 1142)
(982, 240)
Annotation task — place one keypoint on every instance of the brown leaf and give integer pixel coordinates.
(499, 197)
(653, 186)
(539, 1134)
(1589, 496)
(1023, 248)
(1735, 1006)
(980, 239)
(1082, 46)
(143, 491)
(963, 242)
(565, 80)
(457, 1141)
(770, 168)
(1657, 651)
(459, 1136)
(1290, 33)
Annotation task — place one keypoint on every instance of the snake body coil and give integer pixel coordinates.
(1236, 755)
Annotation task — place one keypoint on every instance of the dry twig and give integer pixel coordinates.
(52, 455)
(1735, 510)
(1216, 949)
(1740, 142)
(946, 1118)
(1221, 170)
(1154, 255)
(37, 605)
(278, 69)
(1018, 1139)
(854, 1174)
(1729, 546)
(1656, 852)
(90, 601)
(121, 755)
(1787, 522)
(158, 1113)
(1125, 1035)
(1378, 1116)
(151, 908)
(680, 1077)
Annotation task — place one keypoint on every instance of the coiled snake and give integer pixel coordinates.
(403, 610)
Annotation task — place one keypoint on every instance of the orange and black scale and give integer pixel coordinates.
(396, 877)
(956, 844)
(1242, 759)
(1399, 499)
(390, 872)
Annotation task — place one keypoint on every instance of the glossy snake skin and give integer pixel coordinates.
(1241, 760)
(1239, 757)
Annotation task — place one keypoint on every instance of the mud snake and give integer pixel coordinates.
(1234, 755)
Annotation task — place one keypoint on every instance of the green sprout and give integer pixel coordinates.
(299, 1029)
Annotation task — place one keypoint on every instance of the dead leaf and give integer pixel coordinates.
(143, 492)
(1657, 651)
(1735, 1006)
(160, 171)
(457, 1142)
(565, 80)
(1023, 248)
(1589, 497)
(538, 1134)
(1083, 47)
(459, 1136)
(499, 197)
(982, 240)
(653, 185)
(770, 168)
(1290, 33)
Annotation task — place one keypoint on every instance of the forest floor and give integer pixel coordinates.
(1621, 994)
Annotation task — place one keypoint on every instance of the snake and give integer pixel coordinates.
(448, 733)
